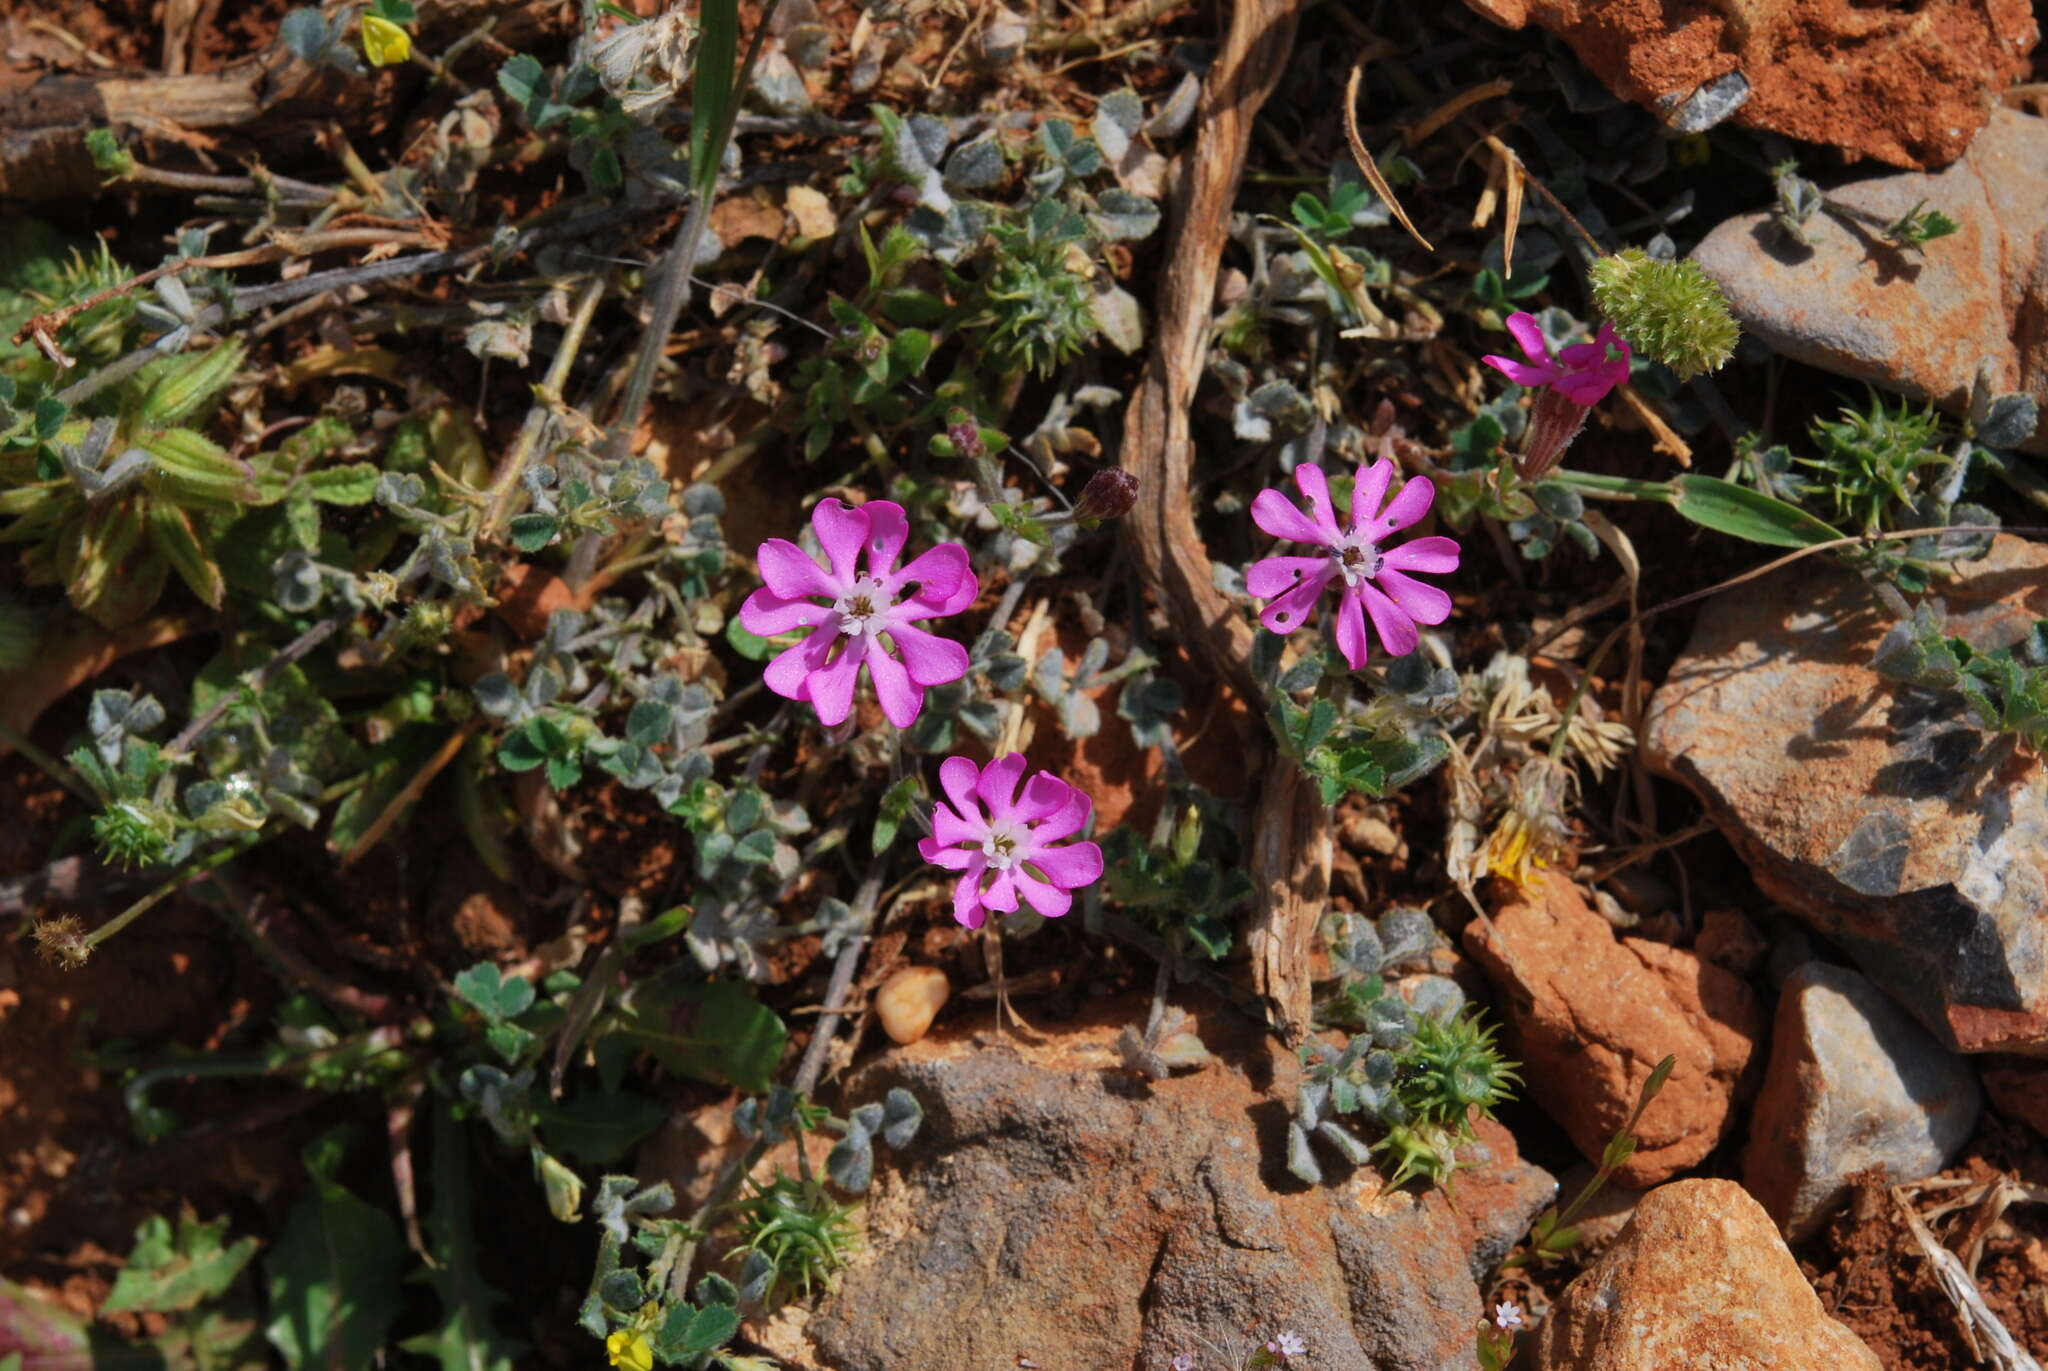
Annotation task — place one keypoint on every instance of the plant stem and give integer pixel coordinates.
(211, 861)
(505, 489)
(672, 287)
(256, 680)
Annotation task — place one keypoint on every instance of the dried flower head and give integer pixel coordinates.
(1671, 310)
(62, 941)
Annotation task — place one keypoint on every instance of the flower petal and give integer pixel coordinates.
(1528, 336)
(1070, 867)
(945, 580)
(998, 786)
(901, 700)
(932, 660)
(1522, 373)
(793, 666)
(1425, 604)
(791, 574)
(1406, 508)
(1396, 629)
(1277, 515)
(957, 776)
(967, 907)
(888, 530)
(942, 852)
(1277, 575)
(1315, 488)
(768, 615)
(841, 530)
(1370, 491)
(1435, 554)
(1044, 796)
(1288, 612)
(1351, 637)
(830, 688)
(1065, 821)
(1001, 894)
(1049, 900)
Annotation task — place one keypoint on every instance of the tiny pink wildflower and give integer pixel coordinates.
(1185, 1361)
(868, 609)
(1507, 1317)
(1567, 386)
(1374, 579)
(1003, 846)
(1288, 1346)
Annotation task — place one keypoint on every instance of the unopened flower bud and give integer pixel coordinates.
(1554, 420)
(1109, 494)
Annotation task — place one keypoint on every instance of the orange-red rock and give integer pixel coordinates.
(1590, 1015)
(1698, 1279)
(1909, 85)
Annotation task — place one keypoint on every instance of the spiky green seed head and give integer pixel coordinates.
(133, 833)
(1671, 312)
(1421, 1149)
(1451, 1067)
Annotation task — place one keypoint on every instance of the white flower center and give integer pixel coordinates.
(862, 607)
(1000, 847)
(1357, 558)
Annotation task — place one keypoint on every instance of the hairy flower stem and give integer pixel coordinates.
(210, 862)
(505, 489)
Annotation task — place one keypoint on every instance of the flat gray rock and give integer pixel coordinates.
(1853, 1083)
(1909, 322)
(1879, 813)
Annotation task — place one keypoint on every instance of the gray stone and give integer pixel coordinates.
(1879, 813)
(1059, 1209)
(1917, 323)
(1853, 1083)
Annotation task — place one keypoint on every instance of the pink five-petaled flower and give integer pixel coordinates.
(1288, 1346)
(1373, 580)
(860, 608)
(1185, 1361)
(1567, 385)
(1003, 845)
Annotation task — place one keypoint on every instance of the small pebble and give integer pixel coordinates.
(908, 1001)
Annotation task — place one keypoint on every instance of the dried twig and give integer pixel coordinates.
(1360, 155)
(1987, 1336)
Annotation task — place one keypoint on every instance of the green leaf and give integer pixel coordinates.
(524, 79)
(333, 1282)
(1748, 514)
(176, 1269)
(466, 1338)
(598, 1127)
(712, 104)
(710, 1328)
(649, 723)
(495, 996)
(713, 1031)
(750, 646)
(564, 771)
(532, 532)
(353, 483)
(895, 809)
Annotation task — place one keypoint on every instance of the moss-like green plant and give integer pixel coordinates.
(1868, 462)
(804, 1233)
(1671, 312)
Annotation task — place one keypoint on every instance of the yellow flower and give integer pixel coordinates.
(384, 43)
(628, 1351)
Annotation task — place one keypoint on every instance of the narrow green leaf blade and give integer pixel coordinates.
(1748, 514)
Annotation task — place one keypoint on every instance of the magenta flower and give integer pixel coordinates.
(1583, 372)
(1568, 385)
(867, 620)
(1374, 579)
(1009, 850)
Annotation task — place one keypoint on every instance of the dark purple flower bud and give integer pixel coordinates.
(966, 438)
(1109, 494)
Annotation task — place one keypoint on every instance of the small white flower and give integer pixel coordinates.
(1184, 1362)
(1288, 1346)
(1508, 1316)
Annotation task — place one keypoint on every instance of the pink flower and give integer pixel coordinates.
(1013, 841)
(1583, 372)
(1571, 384)
(1507, 1317)
(1288, 1346)
(862, 607)
(1184, 1362)
(1374, 580)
